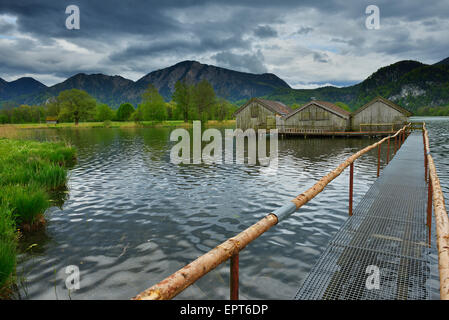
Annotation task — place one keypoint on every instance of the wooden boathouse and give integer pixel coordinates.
(260, 114)
(377, 117)
(316, 117)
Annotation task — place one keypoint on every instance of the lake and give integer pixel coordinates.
(131, 218)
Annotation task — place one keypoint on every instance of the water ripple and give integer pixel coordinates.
(133, 218)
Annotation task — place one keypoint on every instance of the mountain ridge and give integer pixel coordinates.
(409, 83)
(19, 87)
(114, 90)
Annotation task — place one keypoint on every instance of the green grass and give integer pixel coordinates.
(26, 202)
(7, 244)
(29, 172)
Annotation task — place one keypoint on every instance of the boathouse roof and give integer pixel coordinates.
(325, 105)
(274, 106)
(385, 101)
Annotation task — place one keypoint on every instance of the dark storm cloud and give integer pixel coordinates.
(265, 32)
(179, 47)
(123, 35)
(98, 18)
(243, 62)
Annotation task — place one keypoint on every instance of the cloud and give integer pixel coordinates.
(314, 85)
(304, 30)
(134, 37)
(320, 57)
(7, 25)
(265, 32)
(242, 62)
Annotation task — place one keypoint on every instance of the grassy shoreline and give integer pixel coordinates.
(120, 124)
(29, 171)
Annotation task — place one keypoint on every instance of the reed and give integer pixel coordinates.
(29, 172)
(7, 245)
(26, 202)
(8, 131)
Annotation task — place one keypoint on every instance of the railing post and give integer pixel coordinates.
(425, 163)
(234, 277)
(378, 160)
(425, 155)
(351, 183)
(429, 209)
(395, 145)
(388, 150)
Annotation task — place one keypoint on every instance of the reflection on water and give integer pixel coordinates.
(132, 218)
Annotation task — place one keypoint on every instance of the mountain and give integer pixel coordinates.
(409, 83)
(114, 90)
(443, 62)
(230, 84)
(19, 87)
(3, 88)
(111, 90)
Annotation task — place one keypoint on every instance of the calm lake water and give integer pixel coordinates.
(131, 218)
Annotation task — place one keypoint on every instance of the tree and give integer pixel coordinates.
(103, 112)
(76, 104)
(125, 111)
(136, 116)
(343, 105)
(223, 109)
(4, 117)
(52, 107)
(204, 99)
(22, 114)
(171, 110)
(182, 97)
(153, 105)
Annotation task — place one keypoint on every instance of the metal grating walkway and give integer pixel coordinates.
(387, 230)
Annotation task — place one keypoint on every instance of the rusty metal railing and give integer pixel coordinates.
(436, 197)
(183, 278)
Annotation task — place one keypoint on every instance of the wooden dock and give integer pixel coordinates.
(386, 237)
(381, 251)
(320, 133)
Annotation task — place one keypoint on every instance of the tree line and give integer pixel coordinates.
(189, 102)
(433, 111)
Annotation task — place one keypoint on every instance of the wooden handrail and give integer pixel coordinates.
(183, 278)
(441, 221)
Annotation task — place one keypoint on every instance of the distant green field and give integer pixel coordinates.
(119, 124)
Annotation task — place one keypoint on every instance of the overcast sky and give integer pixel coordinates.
(307, 43)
